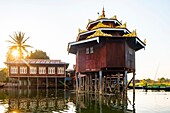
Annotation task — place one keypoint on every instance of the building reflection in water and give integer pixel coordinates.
(56, 101)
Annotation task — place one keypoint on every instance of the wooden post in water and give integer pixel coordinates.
(18, 83)
(56, 83)
(95, 82)
(80, 83)
(37, 83)
(28, 84)
(91, 86)
(125, 90)
(46, 82)
(77, 88)
(88, 83)
(100, 82)
(118, 83)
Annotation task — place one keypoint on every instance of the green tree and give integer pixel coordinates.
(38, 54)
(17, 43)
(3, 74)
(161, 80)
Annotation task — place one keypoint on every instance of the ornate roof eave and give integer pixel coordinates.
(72, 44)
(99, 33)
(125, 30)
(103, 20)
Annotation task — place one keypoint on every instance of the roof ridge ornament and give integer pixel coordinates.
(81, 31)
(132, 34)
(101, 25)
(122, 26)
(98, 33)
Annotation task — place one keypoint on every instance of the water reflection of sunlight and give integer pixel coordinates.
(2, 109)
(71, 108)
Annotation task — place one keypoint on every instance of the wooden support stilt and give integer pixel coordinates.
(46, 82)
(80, 84)
(125, 85)
(91, 85)
(18, 82)
(88, 83)
(95, 82)
(56, 83)
(100, 82)
(105, 84)
(28, 83)
(37, 83)
(77, 88)
(118, 83)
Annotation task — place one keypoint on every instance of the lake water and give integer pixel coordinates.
(58, 101)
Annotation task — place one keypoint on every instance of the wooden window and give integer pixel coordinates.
(91, 50)
(60, 70)
(42, 70)
(14, 70)
(87, 50)
(33, 70)
(51, 70)
(23, 70)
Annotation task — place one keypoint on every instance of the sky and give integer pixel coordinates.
(52, 24)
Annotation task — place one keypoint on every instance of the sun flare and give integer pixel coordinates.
(15, 53)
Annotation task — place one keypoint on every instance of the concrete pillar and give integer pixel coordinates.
(100, 82)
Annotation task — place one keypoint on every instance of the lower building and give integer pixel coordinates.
(37, 72)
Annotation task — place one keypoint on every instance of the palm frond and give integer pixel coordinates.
(24, 49)
(10, 41)
(25, 40)
(13, 39)
(27, 46)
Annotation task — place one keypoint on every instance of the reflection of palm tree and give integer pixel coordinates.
(18, 43)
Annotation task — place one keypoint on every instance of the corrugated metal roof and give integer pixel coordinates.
(36, 61)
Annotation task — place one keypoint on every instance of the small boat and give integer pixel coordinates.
(167, 88)
(136, 87)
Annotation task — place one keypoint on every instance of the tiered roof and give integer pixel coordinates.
(106, 27)
(36, 61)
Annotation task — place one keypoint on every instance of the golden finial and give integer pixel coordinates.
(144, 41)
(89, 20)
(134, 32)
(115, 17)
(103, 12)
(124, 25)
(121, 21)
(81, 31)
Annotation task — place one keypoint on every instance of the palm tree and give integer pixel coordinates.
(18, 43)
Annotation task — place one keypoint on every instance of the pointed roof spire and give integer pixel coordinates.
(103, 12)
